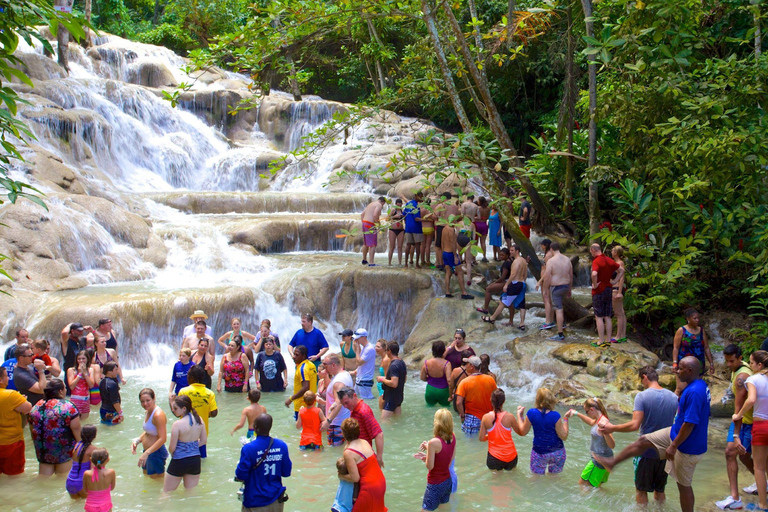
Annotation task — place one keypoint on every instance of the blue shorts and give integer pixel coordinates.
(311, 447)
(335, 437)
(156, 461)
(471, 424)
(203, 451)
(437, 494)
(108, 417)
(449, 260)
(745, 435)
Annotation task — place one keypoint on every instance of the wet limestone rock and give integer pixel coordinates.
(151, 73)
(124, 226)
(38, 67)
(214, 106)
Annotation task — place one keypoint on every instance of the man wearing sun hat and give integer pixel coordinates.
(365, 357)
(190, 329)
(473, 396)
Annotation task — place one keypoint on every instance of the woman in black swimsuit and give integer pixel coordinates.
(204, 360)
(396, 231)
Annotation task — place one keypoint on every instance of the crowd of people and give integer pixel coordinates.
(333, 402)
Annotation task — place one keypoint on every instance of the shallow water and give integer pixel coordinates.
(312, 485)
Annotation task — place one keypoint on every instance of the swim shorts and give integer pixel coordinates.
(185, 466)
(683, 466)
(335, 437)
(497, 465)
(109, 417)
(437, 494)
(759, 434)
(650, 474)
(558, 293)
(156, 461)
(391, 406)
(552, 461)
(745, 435)
(602, 304)
(439, 236)
(595, 474)
(369, 234)
(413, 238)
(526, 230)
(310, 447)
(449, 260)
(434, 396)
(471, 424)
(515, 295)
(12, 459)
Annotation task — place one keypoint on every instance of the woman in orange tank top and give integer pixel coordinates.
(309, 422)
(496, 427)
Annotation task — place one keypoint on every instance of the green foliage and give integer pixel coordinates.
(171, 36)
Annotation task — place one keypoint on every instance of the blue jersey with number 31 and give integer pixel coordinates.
(263, 484)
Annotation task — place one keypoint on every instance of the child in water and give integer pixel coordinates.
(602, 444)
(345, 494)
(250, 413)
(309, 422)
(98, 483)
(81, 461)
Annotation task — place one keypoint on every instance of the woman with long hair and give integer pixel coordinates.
(481, 224)
(617, 287)
(187, 434)
(437, 373)
(152, 461)
(81, 379)
(454, 354)
(55, 425)
(204, 359)
(103, 355)
(602, 444)
(396, 232)
(233, 368)
(81, 461)
(496, 427)
(381, 351)
(494, 232)
(757, 400)
(438, 454)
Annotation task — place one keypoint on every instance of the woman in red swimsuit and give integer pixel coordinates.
(364, 469)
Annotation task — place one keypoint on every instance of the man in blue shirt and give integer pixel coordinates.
(312, 338)
(10, 365)
(683, 444)
(413, 233)
(261, 472)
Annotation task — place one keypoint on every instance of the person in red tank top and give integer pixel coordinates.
(310, 421)
(363, 468)
(603, 270)
(496, 427)
(437, 454)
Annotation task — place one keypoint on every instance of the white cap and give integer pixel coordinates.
(360, 333)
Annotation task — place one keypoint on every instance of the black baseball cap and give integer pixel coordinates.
(75, 326)
(346, 332)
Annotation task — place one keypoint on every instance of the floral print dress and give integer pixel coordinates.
(53, 439)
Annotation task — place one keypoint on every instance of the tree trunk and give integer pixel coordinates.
(292, 79)
(543, 221)
(594, 206)
(461, 114)
(88, 41)
(511, 8)
(476, 30)
(758, 32)
(570, 84)
(374, 35)
(156, 15)
(62, 37)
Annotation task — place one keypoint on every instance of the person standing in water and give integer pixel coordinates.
(436, 371)
(81, 461)
(370, 219)
(152, 440)
(654, 409)
(602, 442)
(188, 437)
(98, 483)
(250, 413)
(394, 382)
(496, 427)
(203, 400)
(438, 454)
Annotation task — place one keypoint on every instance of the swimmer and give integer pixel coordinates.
(98, 483)
(188, 434)
(496, 427)
(602, 445)
(250, 413)
(310, 422)
(81, 461)
(152, 461)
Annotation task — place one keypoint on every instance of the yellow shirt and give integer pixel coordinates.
(203, 400)
(10, 420)
(747, 420)
(305, 371)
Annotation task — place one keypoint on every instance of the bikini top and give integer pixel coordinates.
(150, 427)
(98, 361)
(437, 382)
(348, 355)
(186, 448)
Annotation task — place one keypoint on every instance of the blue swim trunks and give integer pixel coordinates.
(335, 437)
(449, 260)
(745, 435)
(156, 461)
(437, 494)
(471, 424)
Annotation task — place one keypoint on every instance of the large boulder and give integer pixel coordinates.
(151, 73)
(38, 67)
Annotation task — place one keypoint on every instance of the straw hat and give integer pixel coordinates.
(199, 314)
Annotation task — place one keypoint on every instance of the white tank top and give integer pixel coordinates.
(345, 378)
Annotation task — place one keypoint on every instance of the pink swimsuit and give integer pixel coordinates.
(98, 501)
